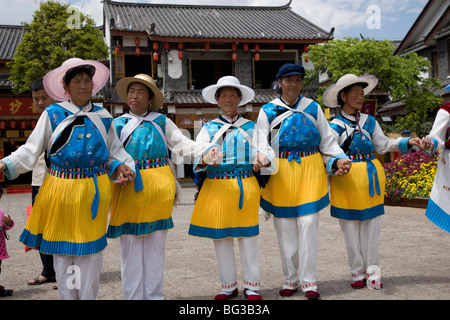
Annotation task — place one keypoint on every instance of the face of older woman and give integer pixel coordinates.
(353, 99)
(138, 98)
(80, 89)
(228, 101)
(291, 87)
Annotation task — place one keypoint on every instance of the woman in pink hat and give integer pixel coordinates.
(69, 217)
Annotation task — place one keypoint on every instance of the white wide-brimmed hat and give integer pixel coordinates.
(54, 80)
(209, 93)
(123, 84)
(330, 96)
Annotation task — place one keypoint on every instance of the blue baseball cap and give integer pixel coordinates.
(289, 69)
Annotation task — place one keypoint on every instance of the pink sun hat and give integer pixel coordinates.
(54, 84)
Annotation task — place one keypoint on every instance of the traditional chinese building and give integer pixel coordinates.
(17, 113)
(188, 47)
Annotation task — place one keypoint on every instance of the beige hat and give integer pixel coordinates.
(123, 84)
(330, 96)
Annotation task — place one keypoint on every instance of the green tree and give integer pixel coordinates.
(58, 32)
(400, 77)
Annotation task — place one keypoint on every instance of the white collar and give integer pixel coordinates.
(230, 119)
(350, 117)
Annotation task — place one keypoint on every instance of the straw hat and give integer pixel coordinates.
(209, 93)
(330, 97)
(54, 84)
(123, 84)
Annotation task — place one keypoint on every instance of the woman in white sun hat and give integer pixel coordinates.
(357, 199)
(141, 213)
(69, 217)
(228, 203)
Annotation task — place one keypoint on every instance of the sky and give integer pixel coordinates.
(377, 19)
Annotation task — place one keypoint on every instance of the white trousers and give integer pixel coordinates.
(361, 240)
(248, 250)
(78, 277)
(298, 243)
(143, 266)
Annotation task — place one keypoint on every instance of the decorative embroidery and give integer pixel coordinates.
(229, 286)
(229, 174)
(290, 284)
(368, 156)
(153, 163)
(359, 274)
(306, 153)
(252, 284)
(309, 285)
(77, 173)
(447, 188)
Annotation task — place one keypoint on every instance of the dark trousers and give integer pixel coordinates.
(47, 259)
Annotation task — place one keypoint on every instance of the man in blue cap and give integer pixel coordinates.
(302, 139)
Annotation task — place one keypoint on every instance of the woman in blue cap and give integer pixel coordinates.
(299, 133)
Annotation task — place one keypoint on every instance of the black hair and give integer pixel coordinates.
(37, 85)
(347, 89)
(72, 73)
(218, 91)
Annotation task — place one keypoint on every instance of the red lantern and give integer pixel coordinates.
(155, 46)
(281, 47)
(166, 46)
(207, 46)
(23, 125)
(13, 124)
(305, 48)
(306, 59)
(3, 125)
(257, 57)
(256, 47)
(33, 124)
(155, 56)
(245, 47)
(234, 56)
(180, 45)
(117, 49)
(233, 46)
(180, 54)
(138, 51)
(137, 41)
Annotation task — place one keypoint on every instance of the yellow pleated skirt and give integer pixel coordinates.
(217, 215)
(61, 221)
(296, 189)
(350, 196)
(141, 213)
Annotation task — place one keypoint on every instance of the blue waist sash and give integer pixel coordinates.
(147, 164)
(371, 170)
(297, 155)
(236, 174)
(82, 173)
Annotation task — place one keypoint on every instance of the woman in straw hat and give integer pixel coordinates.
(438, 208)
(69, 217)
(357, 199)
(141, 214)
(300, 134)
(228, 202)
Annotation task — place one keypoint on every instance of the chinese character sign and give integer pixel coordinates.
(17, 107)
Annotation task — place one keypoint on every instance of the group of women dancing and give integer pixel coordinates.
(291, 162)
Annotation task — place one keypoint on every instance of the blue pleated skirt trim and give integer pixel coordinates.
(62, 247)
(359, 215)
(297, 211)
(438, 216)
(218, 234)
(139, 229)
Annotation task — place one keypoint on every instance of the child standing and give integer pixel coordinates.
(6, 223)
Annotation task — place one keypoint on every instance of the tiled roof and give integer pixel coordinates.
(10, 37)
(212, 22)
